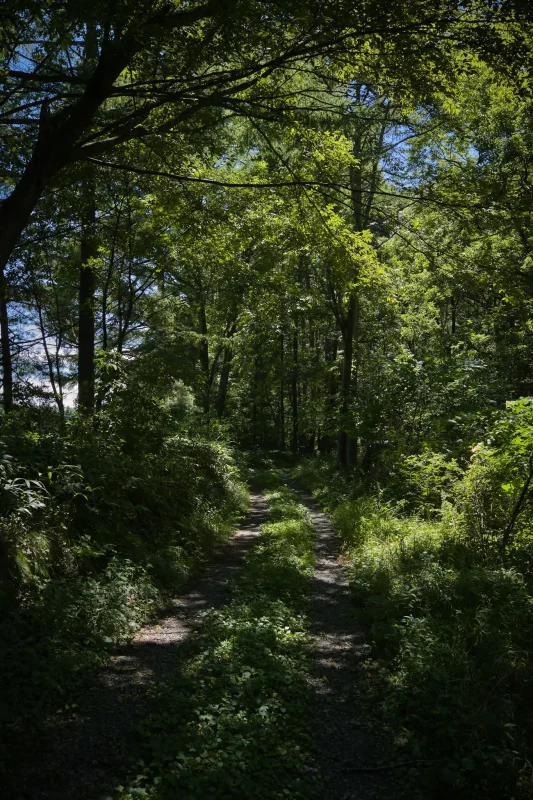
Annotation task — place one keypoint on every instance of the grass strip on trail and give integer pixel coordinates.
(232, 720)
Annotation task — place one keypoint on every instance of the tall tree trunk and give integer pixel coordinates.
(7, 363)
(282, 393)
(86, 335)
(330, 356)
(56, 386)
(58, 343)
(226, 350)
(356, 184)
(347, 442)
(352, 454)
(89, 252)
(255, 393)
(346, 382)
(294, 388)
(203, 352)
(109, 277)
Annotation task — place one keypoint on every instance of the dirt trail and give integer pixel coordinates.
(343, 739)
(85, 753)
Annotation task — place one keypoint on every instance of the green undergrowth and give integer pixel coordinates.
(231, 721)
(451, 668)
(99, 525)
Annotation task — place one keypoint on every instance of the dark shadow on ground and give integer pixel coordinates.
(83, 753)
(343, 734)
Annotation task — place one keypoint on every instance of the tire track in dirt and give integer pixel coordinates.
(344, 741)
(84, 754)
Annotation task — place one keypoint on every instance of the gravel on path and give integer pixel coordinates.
(87, 750)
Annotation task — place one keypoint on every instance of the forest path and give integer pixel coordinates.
(86, 748)
(344, 740)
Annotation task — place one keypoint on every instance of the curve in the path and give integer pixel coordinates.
(85, 754)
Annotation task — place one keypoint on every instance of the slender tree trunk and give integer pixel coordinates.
(356, 184)
(282, 393)
(346, 382)
(86, 333)
(203, 353)
(352, 454)
(7, 363)
(89, 252)
(347, 443)
(294, 388)
(255, 393)
(226, 350)
(346, 451)
(58, 394)
(109, 276)
(58, 340)
(126, 316)
(330, 356)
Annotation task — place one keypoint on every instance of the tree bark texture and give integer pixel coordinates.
(86, 332)
(346, 382)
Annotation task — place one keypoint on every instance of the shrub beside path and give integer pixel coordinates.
(88, 745)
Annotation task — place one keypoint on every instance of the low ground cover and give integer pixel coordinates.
(100, 524)
(232, 720)
(451, 628)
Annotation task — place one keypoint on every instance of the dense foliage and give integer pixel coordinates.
(293, 226)
(101, 525)
(449, 620)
